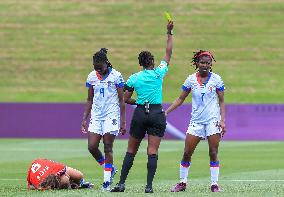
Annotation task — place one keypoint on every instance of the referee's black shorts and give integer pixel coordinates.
(152, 123)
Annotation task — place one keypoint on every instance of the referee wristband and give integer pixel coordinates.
(170, 32)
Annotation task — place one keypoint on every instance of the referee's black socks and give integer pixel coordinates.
(151, 166)
(127, 164)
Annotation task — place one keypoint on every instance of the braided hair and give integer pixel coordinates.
(100, 57)
(145, 59)
(198, 54)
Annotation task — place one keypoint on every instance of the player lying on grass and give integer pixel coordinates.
(46, 174)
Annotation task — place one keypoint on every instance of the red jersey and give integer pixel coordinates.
(41, 168)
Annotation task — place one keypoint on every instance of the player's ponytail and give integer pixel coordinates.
(104, 50)
(101, 57)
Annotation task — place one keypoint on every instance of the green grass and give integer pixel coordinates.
(46, 46)
(247, 168)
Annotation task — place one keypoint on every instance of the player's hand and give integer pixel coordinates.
(170, 26)
(74, 186)
(84, 126)
(122, 129)
(222, 126)
(166, 113)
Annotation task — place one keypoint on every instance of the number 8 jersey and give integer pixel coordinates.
(105, 101)
(205, 102)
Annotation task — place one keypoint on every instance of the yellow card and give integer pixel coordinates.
(168, 16)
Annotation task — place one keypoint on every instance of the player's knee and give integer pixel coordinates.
(79, 174)
(93, 149)
(107, 148)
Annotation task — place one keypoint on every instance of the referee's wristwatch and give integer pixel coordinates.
(170, 32)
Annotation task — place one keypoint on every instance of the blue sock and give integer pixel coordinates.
(101, 161)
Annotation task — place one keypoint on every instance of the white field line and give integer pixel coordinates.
(254, 180)
(85, 150)
(12, 179)
(233, 180)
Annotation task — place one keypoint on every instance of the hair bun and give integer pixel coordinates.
(104, 50)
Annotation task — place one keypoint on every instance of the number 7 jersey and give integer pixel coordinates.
(105, 101)
(205, 102)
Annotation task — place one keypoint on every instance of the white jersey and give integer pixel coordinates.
(105, 101)
(205, 102)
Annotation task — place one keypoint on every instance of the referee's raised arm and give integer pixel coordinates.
(169, 47)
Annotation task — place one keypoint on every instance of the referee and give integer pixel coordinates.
(148, 116)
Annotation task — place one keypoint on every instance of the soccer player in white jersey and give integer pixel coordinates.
(106, 103)
(207, 117)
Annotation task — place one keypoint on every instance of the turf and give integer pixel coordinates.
(247, 168)
(46, 46)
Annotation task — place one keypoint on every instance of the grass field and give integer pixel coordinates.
(46, 47)
(247, 168)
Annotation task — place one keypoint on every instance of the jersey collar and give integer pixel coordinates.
(199, 81)
(100, 77)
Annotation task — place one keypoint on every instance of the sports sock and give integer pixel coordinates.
(151, 167)
(183, 171)
(82, 181)
(126, 166)
(214, 168)
(107, 172)
(101, 161)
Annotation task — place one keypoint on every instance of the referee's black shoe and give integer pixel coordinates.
(148, 189)
(118, 188)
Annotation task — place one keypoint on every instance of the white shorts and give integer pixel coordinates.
(110, 125)
(204, 130)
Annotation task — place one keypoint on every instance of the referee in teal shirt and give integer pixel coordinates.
(148, 116)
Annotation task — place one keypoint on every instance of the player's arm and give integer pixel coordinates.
(65, 181)
(75, 179)
(178, 101)
(222, 111)
(88, 107)
(169, 47)
(128, 94)
(72, 177)
(122, 110)
(128, 99)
